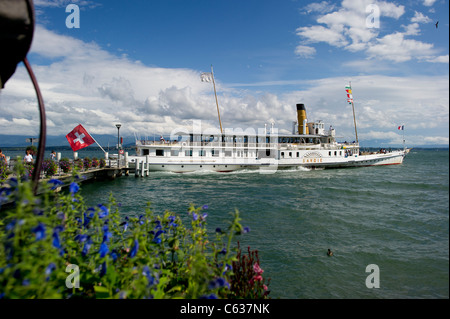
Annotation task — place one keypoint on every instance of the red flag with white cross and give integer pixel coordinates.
(79, 138)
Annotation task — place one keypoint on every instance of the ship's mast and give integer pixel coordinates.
(217, 103)
(354, 117)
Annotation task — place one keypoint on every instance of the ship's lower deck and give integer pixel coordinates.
(268, 164)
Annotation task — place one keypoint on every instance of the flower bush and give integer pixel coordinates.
(78, 164)
(247, 280)
(54, 246)
(49, 167)
(95, 162)
(87, 163)
(102, 162)
(65, 165)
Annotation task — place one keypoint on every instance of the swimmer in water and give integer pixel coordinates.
(329, 252)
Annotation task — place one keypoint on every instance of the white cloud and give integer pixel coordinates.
(320, 7)
(428, 3)
(98, 89)
(305, 51)
(63, 3)
(439, 59)
(420, 18)
(346, 28)
(317, 34)
(396, 48)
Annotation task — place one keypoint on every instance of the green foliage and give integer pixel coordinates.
(50, 243)
(3, 170)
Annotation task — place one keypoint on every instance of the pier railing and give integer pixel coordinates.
(60, 172)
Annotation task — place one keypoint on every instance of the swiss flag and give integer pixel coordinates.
(79, 138)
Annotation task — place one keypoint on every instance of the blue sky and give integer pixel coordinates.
(138, 62)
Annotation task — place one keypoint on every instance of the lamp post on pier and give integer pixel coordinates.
(118, 144)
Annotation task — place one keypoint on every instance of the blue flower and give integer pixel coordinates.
(50, 268)
(11, 225)
(81, 237)
(74, 188)
(106, 236)
(13, 182)
(194, 216)
(56, 183)
(125, 226)
(205, 207)
(219, 230)
(56, 241)
(114, 255)
(134, 249)
(146, 272)
(103, 250)
(103, 211)
(87, 246)
(172, 224)
(39, 231)
(218, 283)
(227, 268)
(246, 230)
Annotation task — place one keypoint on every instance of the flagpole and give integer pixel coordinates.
(97, 143)
(354, 117)
(403, 132)
(217, 103)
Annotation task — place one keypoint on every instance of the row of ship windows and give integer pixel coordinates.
(289, 154)
(216, 153)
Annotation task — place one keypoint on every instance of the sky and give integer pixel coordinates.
(139, 62)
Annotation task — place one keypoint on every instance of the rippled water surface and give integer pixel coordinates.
(396, 217)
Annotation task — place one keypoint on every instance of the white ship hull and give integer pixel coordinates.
(224, 165)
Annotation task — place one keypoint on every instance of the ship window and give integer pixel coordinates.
(298, 154)
(201, 153)
(215, 153)
(282, 154)
(228, 153)
(290, 154)
(145, 152)
(175, 152)
(159, 152)
(188, 153)
(267, 151)
(335, 153)
(329, 153)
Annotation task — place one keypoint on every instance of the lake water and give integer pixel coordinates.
(395, 217)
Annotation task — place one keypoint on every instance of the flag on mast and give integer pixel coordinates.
(206, 77)
(348, 89)
(79, 138)
(401, 127)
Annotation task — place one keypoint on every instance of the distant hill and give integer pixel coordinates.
(111, 141)
(20, 140)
